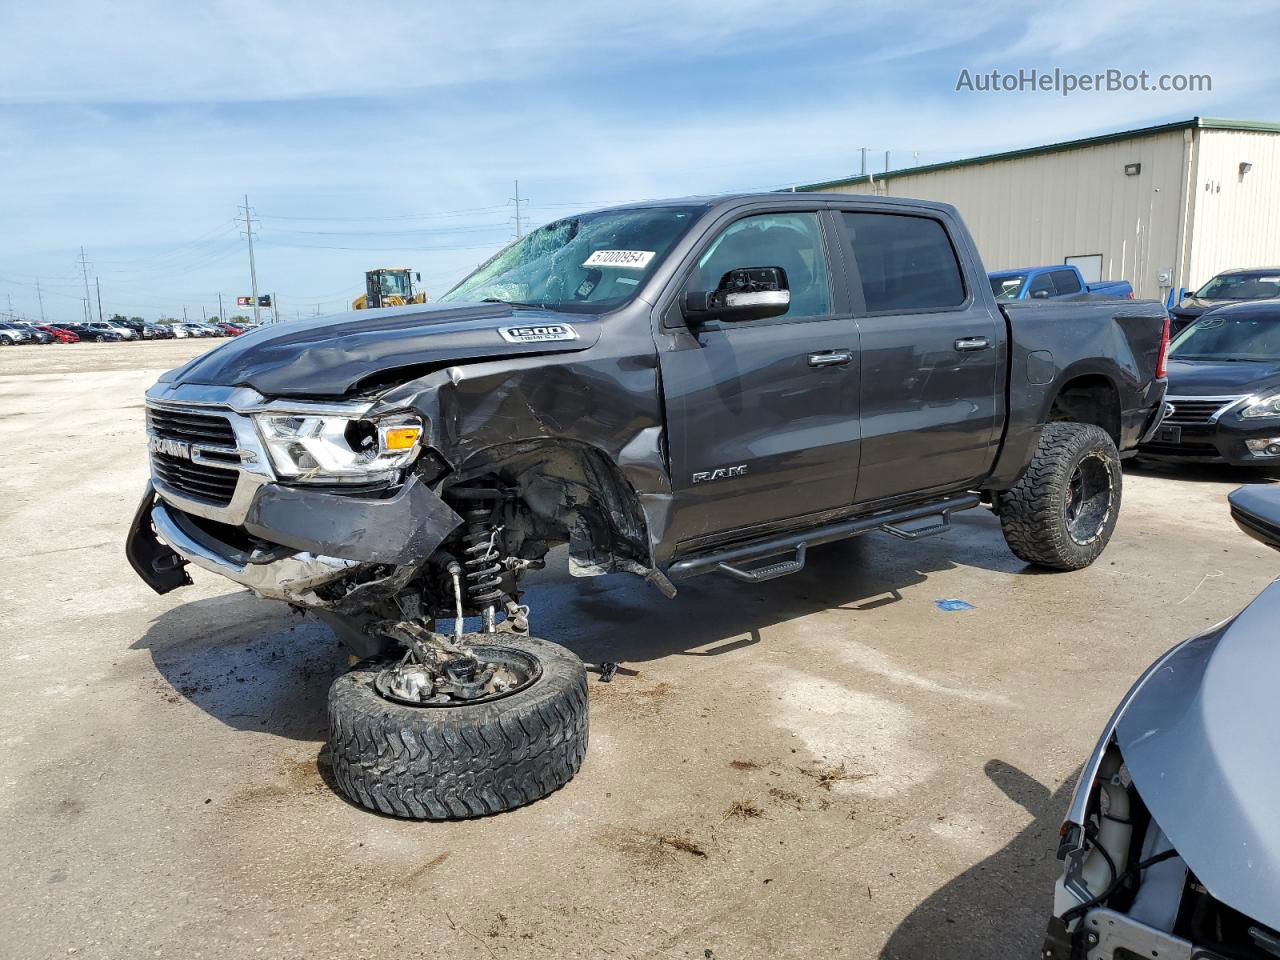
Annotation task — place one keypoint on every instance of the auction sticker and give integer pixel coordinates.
(538, 333)
(623, 259)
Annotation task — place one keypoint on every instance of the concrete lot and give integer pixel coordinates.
(823, 766)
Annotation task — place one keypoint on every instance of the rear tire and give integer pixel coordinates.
(455, 762)
(1061, 514)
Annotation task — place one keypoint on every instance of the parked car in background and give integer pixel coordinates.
(1231, 286)
(182, 330)
(98, 332)
(11, 334)
(37, 334)
(157, 331)
(230, 329)
(1224, 390)
(126, 331)
(1048, 283)
(60, 334)
(1171, 842)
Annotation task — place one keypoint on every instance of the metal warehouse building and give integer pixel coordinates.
(1165, 207)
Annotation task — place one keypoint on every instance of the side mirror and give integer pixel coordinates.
(1256, 511)
(1039, 294)
(747, 293)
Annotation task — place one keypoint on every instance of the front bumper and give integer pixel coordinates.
(1220, 439)
(281, 541)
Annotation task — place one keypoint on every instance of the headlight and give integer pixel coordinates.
(1266, 407)
(315, 448)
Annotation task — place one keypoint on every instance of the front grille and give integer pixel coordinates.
(1192, 410)
(200, 428)
(215, 437)
(211, 484)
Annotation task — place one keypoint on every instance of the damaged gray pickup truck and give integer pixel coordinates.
(670, 389)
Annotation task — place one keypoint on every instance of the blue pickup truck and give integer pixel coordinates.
(1046, 283)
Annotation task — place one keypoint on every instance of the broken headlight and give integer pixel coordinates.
(324, 448)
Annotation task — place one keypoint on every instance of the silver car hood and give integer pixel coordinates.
(1200, 736)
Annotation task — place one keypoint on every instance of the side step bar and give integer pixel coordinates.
(906, 523)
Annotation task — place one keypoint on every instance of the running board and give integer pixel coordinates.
(907, 523)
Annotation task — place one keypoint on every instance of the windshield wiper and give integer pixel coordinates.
(513, 303)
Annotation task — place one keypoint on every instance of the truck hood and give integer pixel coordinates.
(329, 356)
(1207, 378)
(1198, 738)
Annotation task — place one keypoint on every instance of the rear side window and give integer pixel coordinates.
(1043, 284)
(905, 263)
(1066, 281)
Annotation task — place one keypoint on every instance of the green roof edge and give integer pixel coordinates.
(1203, 123)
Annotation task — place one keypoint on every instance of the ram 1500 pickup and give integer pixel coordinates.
(671, 389)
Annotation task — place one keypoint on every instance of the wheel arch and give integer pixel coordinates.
(1087, 397)
(574, 493)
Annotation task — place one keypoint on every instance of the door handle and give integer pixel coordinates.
(830, 358)
(970, 344)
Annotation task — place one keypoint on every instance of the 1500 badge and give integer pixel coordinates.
(538, 333)
(720, 473)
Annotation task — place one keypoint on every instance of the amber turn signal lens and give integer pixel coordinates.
(401, 438)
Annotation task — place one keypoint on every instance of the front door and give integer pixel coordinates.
(932, 358)
(762, 416)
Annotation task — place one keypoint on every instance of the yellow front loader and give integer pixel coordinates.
(389, 287)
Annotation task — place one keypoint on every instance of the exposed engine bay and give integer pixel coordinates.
(1126, 892)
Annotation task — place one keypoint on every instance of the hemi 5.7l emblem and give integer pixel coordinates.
(540, 333)
(720, 473)
(172, 448)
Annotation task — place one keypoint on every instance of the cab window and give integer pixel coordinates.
(792, 241)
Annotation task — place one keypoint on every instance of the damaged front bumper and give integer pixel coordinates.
(292, 578)
(375, 542)
(311, 547)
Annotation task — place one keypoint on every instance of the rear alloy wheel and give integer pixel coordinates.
(1061, 514)
(503, 746)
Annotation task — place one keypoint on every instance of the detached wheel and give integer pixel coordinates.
(1061, 514)
(456, 760)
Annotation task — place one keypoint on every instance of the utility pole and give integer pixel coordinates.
(886, 161)
(253, 270)
(184, 314)
(204, 316)
(12, 315)
(40, 297)
(516, 199)
(221, 316)
(84, 269)
(97, 286)
(864, 161)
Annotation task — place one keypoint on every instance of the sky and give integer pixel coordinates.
(387, 133)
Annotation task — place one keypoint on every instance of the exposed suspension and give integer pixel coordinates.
(482, 562)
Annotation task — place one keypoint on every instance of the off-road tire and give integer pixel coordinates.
(455, 762)
(1033, 514)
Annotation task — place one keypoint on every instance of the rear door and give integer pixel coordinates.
(762, 416)
(932, 355)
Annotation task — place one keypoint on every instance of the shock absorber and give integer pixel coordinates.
(483, 563)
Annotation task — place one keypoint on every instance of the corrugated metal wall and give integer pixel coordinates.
(1041, 209)
(1235, 217)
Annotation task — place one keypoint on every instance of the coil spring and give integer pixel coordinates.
(482, 563)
